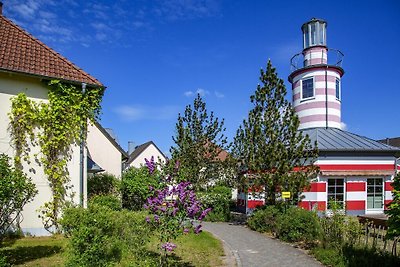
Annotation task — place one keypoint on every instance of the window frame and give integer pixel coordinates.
(335, 186)
(382, 193)
(302, 89)
(338, 89)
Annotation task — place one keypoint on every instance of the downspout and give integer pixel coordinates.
(326, 97)
(82, 160)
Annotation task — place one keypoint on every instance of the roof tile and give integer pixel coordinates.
(23, 53)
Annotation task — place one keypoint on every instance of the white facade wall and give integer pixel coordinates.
(10, 86)
(103, 152)
(150, 151)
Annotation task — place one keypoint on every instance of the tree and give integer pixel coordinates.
(136, 184)
(199, 144)
(268, 144)
(16, 190)
(394, 210)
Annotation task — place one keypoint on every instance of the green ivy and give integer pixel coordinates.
(55, 126)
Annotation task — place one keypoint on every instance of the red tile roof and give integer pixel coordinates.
(22, 53)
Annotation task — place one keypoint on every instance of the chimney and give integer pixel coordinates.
(1, 8)
(131, 147)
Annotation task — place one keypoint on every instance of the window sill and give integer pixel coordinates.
(307, 99)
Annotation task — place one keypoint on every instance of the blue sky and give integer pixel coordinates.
(154, 56)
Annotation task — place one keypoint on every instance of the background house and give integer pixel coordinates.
(104, 152)
(138, 154)
(26, 65)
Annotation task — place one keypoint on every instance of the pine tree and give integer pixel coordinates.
(269, 146)
(199, 144)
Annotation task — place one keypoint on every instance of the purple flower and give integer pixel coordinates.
(156, 218)
(204, 213)
(168, 246)
(186, 230)
(150, 164)
(197, 229)
(147, 219)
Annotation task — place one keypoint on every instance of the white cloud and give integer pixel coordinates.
(186, 9)
(188, 93)
(343, 126)
(138, 112)
(218, 94)
(199, 91)
(129, 113)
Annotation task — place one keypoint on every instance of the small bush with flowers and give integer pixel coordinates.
(175, 210)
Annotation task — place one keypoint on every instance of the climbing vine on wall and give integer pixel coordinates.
(55, 126)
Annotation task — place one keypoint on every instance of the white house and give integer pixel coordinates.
(104, 152)
(26, 65)
(144, 151)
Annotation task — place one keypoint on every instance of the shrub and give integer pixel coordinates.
(16, 190)
(100, 236)
(218, 199)
(264, 219)
(135, 187)
(103, 184)
(339, 229)
(109, 201)
(297, 224)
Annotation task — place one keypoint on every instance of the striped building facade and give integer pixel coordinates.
(355, 172)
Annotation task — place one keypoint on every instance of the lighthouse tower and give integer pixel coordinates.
(316, 81)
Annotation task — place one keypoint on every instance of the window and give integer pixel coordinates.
(374, 193)
(307, 88)
(337, 89)
(335, 193)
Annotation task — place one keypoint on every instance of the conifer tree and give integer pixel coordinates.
(199, 144)
(269, 146)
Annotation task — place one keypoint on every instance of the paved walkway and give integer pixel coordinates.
(250, 248)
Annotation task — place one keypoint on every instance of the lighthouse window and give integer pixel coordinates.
(335, 193)
(307, 88)
(374, 193)
(337, 89)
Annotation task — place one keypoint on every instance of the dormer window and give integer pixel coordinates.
(307, 88)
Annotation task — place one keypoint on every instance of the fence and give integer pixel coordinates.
(374, 235)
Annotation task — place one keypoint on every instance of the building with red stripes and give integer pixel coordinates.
(355, 172)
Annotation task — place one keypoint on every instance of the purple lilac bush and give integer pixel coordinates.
(175, 211)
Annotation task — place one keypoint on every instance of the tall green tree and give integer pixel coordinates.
(394, 210)
(200, 144)
(269, 146)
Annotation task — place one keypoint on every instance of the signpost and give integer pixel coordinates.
(285, 195)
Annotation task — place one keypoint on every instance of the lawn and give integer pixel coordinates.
(192, 250)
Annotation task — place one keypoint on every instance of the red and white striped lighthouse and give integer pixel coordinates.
(316, 79)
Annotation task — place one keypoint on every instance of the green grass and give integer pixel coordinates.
(35, 251)
(192, 250)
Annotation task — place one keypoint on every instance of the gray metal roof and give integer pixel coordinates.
(333, 139)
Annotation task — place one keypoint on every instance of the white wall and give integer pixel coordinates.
(103, 152)
(151, 150)
(11, 85)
